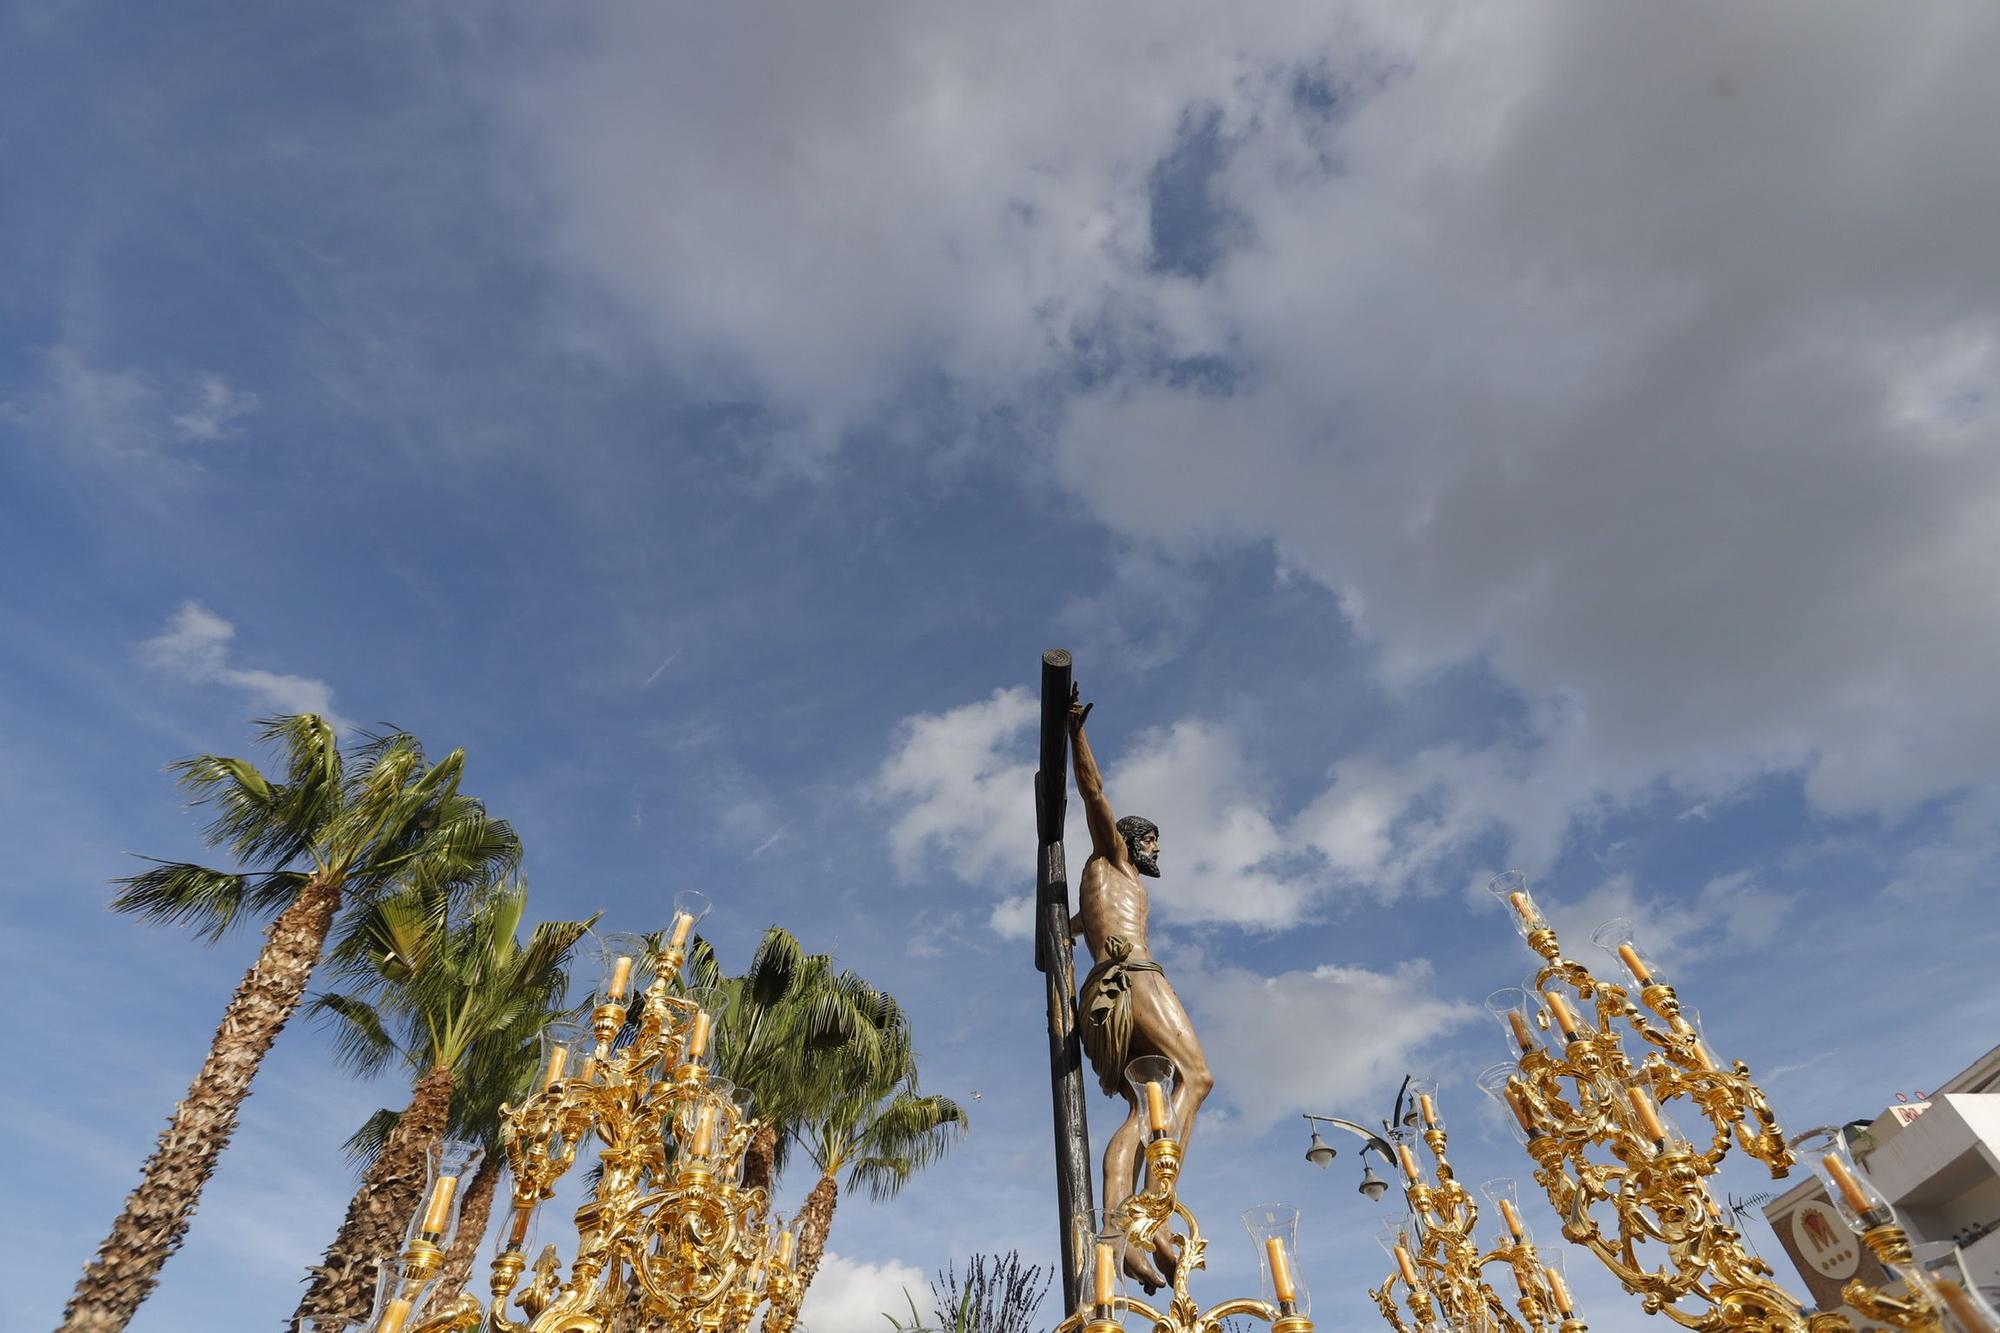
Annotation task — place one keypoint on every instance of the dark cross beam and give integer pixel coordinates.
(1055, 957)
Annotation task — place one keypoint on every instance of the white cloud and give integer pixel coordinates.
(1728, 914)
(1332, 1036)
(215, 410)
(966, 801)
(195, 647)
(850, 1296)
(964, 793)
(126, 413)
(1632, 355)
(1013, 918)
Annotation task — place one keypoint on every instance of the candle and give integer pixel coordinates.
(1522, 1033)
(517, 1227)
(395, 1315)
(1633, 964)
(1565, 1016)
(1558, 1290)
(1409, 1269)
(1156, 1108)
(1281, 1270)
(698, 1035)
(1408, 1160)
(558, 1061)
(1649, 1118)
(439, 1211)
(621, 977)
(1105, 1285)
(1850, 1188)
(1518, 1105)
(1968, 1315)
(683, 923)
(1699, 1050)
(785, 1247)
(589, 1068)
(1714, 1213)
(704, 1131)
(1523, 905)
(1429, 1109)
(1511, 1218)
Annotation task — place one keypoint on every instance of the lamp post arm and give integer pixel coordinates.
(1374, 1140)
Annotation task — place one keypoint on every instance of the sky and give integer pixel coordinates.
(1450, 437)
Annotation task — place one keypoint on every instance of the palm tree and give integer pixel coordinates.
(787, 1009)
(336, 829)
(434, 988)
(502, 1070)
(873, 1124)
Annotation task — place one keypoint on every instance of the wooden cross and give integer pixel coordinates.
(1055, 959)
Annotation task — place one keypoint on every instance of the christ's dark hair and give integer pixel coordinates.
(1132, 828)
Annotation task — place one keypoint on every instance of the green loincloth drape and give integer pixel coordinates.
(1105, 1003)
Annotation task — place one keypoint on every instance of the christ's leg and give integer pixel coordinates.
(1121, 1170)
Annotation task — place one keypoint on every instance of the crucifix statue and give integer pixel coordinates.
(1127, 1007)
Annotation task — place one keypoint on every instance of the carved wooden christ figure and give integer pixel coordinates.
(1126, 1007)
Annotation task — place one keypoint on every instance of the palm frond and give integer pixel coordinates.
(364, 1145)
(361, 1038)
(181, 893)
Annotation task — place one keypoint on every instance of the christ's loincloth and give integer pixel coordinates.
(1106, 1005)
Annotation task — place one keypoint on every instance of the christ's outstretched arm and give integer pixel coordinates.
(1105, 839)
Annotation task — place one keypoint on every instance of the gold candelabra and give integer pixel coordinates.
(1441, 1266)
(1603, 1139)
(1144, 1223)
(668, 1236)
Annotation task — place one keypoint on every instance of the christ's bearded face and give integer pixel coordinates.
(1146, 854)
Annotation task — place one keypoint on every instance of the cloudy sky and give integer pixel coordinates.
(1450, 436)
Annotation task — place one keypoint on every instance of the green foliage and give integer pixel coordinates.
(791, 1018)
(372, 822)
(462, 993)
(997, 1294)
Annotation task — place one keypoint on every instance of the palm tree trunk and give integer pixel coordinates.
(341, 1290)
(157, 1213)
(760, 1159)
(815, 1221)
(473, 1215)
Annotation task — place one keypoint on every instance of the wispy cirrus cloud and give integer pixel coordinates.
(126, 412)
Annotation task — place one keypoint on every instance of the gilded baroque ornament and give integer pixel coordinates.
(1438, 1260)
(1631, 1187)
(1145, 1223)
(667, 1236)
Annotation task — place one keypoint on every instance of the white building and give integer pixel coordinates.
(1937, 1160)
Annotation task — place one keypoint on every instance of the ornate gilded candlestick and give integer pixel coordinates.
(668, 1234)
(1578, 1100)
(1437, 1255)
(1142, 1221)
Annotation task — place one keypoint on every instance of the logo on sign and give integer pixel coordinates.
(1825, 1242)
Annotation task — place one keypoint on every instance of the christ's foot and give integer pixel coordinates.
(1140, 1269)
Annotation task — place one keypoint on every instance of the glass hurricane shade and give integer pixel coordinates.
(1511, 888)
(1099, 1249)
(1274, 1228)
(1963, 1306)
(1853, 1195)
(690, 906)
(1424, 1105)
(1151, 1079)
(1617, 938)
(625, 967)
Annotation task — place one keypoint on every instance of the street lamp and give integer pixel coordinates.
(1321, 1153)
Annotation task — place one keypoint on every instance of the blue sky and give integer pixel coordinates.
(1448, 440)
